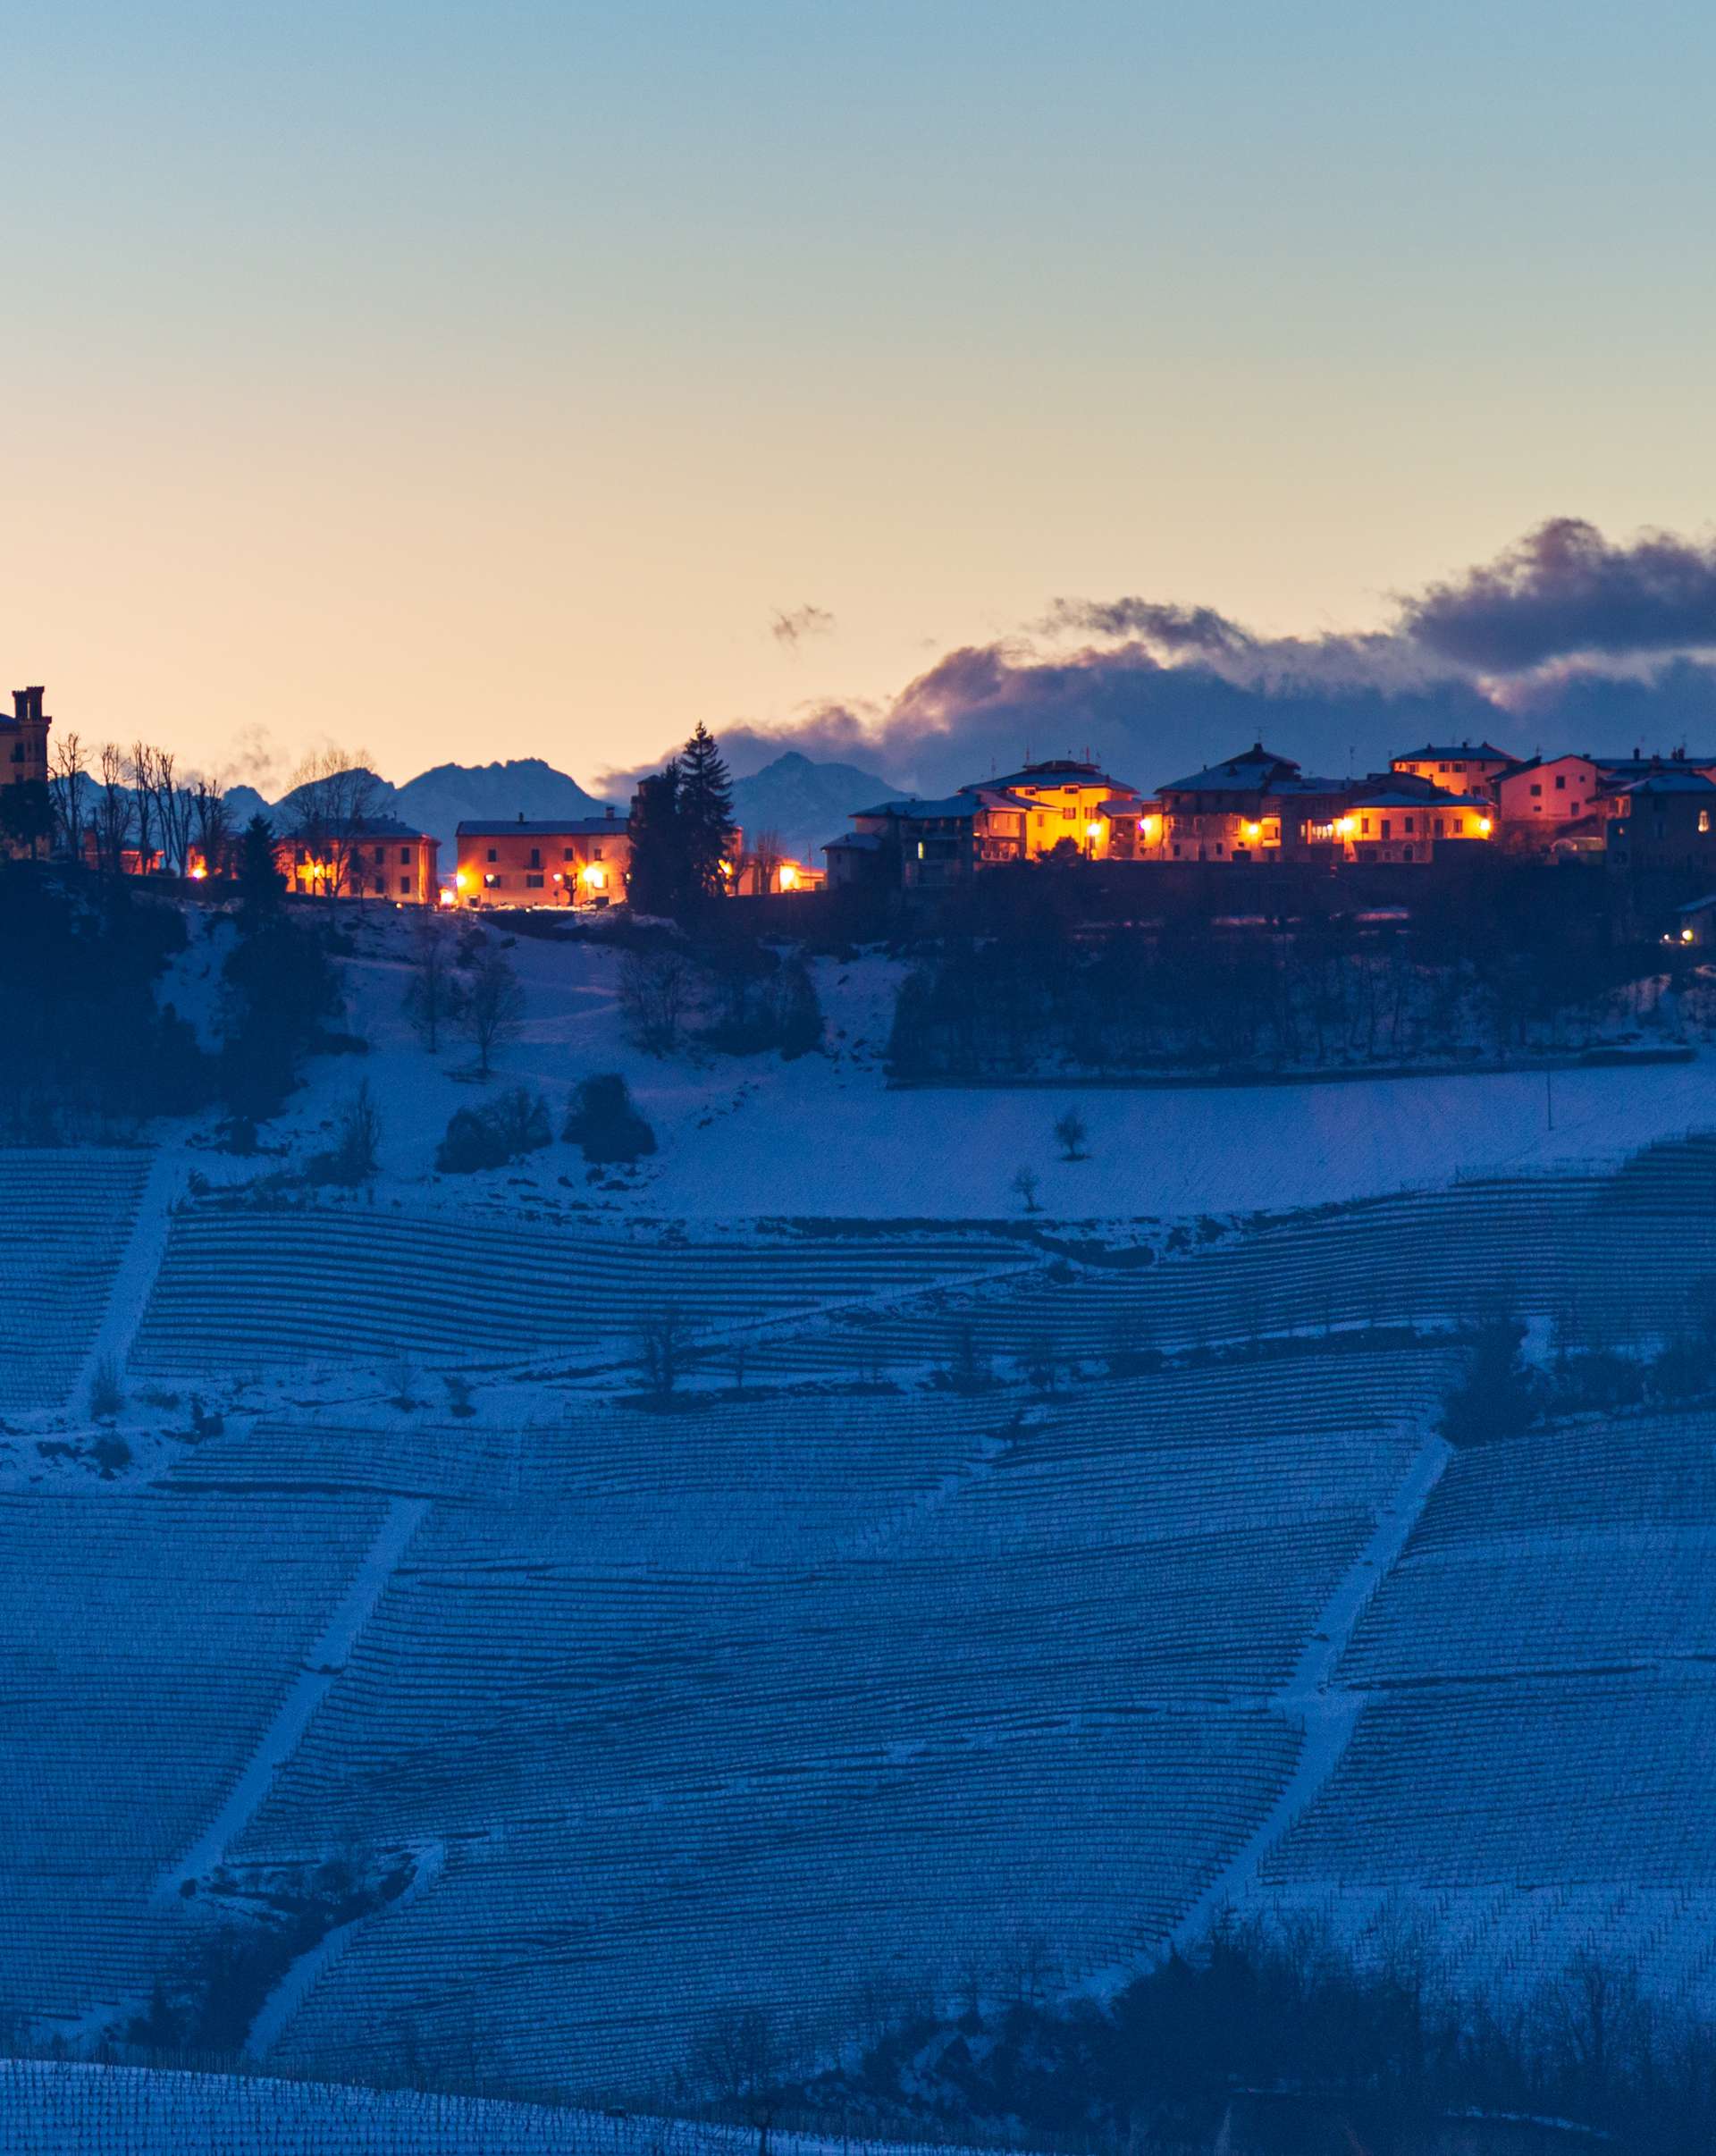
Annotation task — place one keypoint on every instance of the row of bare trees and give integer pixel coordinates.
(112, 802)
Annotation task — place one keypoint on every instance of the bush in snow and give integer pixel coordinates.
(605, 1123)
(508, 1128)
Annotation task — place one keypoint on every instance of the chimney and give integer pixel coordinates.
(521, 815)
(21, 705)
(610, 811)
(35, 696)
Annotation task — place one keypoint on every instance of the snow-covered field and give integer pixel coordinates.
(743, 1137)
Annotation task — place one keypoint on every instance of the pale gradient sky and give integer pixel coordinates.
(478, 381)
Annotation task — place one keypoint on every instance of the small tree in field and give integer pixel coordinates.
(434, 995)
(661, 1352)
(1024, 1186)
(605, 1123)
(1071, 1134)
(493, 1006)
(656, 992)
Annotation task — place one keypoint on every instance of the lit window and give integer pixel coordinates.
(1704, 819)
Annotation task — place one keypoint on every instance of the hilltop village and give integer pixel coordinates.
(1633, 812)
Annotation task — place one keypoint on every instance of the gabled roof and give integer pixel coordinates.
(1064, 771)
(1250, 774)
(911, 810)
(1467, 751)
(1679, 780)
(856, 842)
(570, 827)
(390, 827)
(1638, 767)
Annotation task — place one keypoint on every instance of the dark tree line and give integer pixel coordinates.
(1256, 996)
(1278, 2042)
(91, 1041)
(682, 832)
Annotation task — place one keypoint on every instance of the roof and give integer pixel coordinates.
(1385, 796)
(957, 806)
(1677, 781)
(1433, 752)
(1063, 771)
(856, 842)
(1244, 774)
(568, 826)
(1698, 906)
(390, 827)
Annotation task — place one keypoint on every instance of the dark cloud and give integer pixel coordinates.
(1565, 592)
(1567, 641)
(1191, 629)
(790, 629)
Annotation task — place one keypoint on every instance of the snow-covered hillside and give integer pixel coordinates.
(53, 2107)
(825, 1136)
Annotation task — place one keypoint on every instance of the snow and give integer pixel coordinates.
(825, 1135)
(323, 1664)
(53, 2107)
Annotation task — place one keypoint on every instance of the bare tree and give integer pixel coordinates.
(766, 856)
(68, 787)
(139, 773)
(332, 793)
(1070, 1132)
(657, 990)
(1024, 1185)
(493, 1006)
(661, 1352)
(434, 994)
(212, 824)
(113, 811)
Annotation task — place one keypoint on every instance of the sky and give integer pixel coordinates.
(539, 379)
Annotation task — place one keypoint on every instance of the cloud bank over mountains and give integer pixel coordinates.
(1565, 639)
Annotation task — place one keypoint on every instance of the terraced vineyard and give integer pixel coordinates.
(245, 1288)
(54, 2107)
(71, 1211)
(992, 1674)
(1529, 1781)
(146, 1643)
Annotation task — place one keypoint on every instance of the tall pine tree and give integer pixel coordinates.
(705, 814)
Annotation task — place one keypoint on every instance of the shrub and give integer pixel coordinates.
(797, 1012)
(353, 1158)
(1499, 1397)
(603, 1120)
(508, 1128)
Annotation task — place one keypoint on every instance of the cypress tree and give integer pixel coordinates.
(705, 814)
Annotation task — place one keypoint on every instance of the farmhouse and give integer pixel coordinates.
(581, 862)
(1465, 767)
(379, 857)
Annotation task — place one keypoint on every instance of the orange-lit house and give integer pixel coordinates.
(1065, 801)
(583, 862)
(1029, 813)
(379, 858)
(1407, 823)
(755, 877)
(1257, 806)
(1466, 767)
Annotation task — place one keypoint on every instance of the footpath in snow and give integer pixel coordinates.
(326, 1658)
